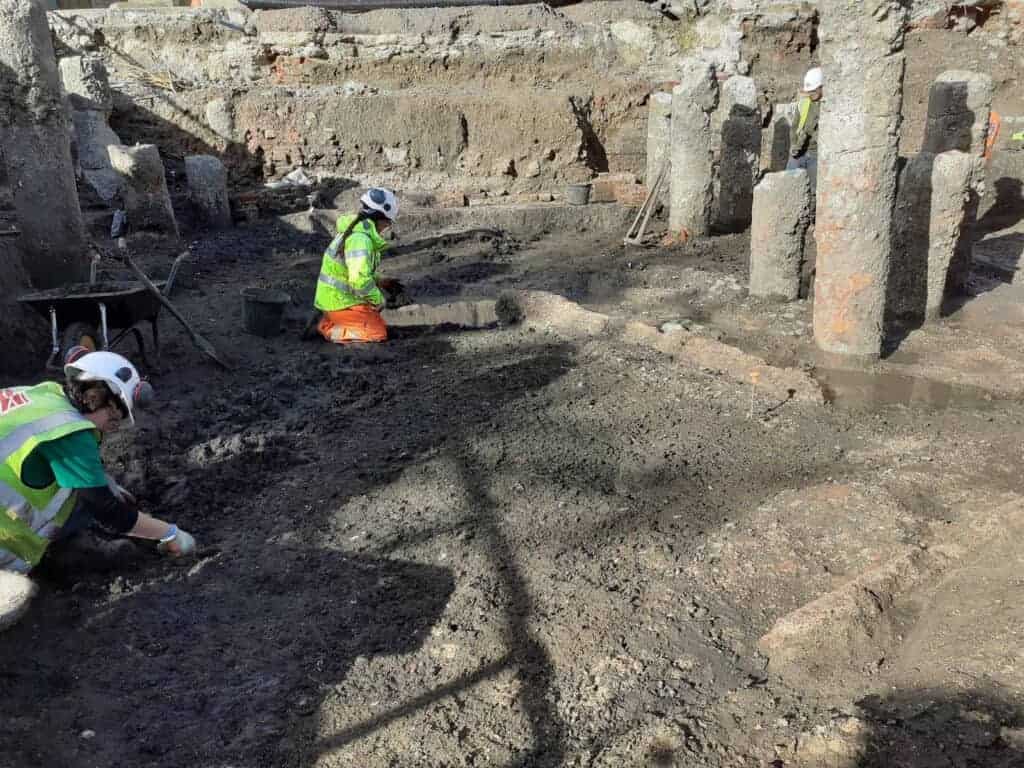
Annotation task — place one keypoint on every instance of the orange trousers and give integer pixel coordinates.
(361, 323)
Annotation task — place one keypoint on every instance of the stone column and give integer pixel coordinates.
(933, 229)
(775, 144)
(951, 176)
(659, 138)
(87, 86)
(959, 107)
(862, 44)
(146, 199)
(959, 104)
(740, 152)
(782, 214)
(36, 135)
(693, 102)
(208, 190)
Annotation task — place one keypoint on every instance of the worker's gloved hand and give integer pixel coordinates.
(177, 543)
(390, 285)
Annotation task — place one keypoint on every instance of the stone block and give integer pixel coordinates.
(220, 117)
(775, 139)
(146, 199)
(93, 137)
(452, 199)
(781, 216)
(959, 104)
(86, 83)
(208, 190)
(608, 187)
(740, 153)
(936, 211)
(632, 195)
(16, 593)
(461, 314)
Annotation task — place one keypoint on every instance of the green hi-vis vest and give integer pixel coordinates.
(349, 279)
(30, 517)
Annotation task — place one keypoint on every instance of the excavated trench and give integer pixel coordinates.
(644, 526)
(556, 543)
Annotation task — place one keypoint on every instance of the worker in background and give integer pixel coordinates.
(52, 482)
(349, 294)
(803, 142)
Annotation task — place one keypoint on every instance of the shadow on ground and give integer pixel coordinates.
(979, 727)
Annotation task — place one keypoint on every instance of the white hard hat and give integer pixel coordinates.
(814, 79)
(120, 376)
(382, 200)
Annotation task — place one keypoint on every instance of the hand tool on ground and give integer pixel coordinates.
(204, 346)
(634, 235)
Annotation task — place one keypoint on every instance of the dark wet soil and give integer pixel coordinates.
(458, 549)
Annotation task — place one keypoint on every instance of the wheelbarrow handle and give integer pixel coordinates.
(204, 346)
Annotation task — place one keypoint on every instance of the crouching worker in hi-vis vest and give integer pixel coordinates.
(348, 291)
(52, 482)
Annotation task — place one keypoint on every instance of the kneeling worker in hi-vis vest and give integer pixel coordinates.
(52, 482)
(348, 291)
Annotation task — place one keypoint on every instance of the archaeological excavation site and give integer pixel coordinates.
(438, 383)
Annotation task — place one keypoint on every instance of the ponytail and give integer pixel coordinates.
(360, 217)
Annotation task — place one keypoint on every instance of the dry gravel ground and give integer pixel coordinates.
(526, 546)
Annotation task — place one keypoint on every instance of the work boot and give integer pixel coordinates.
(309, 331)
(16, 593)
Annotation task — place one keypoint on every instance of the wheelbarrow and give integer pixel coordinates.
(87, 314)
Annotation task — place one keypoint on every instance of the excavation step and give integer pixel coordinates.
(463, 314)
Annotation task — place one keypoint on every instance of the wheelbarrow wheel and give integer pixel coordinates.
(79, 335)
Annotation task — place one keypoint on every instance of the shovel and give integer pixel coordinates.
(204, 346)
(635, 235)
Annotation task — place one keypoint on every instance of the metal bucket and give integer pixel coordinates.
(262, 310)
(578, 194)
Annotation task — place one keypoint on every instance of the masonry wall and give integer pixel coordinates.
(487, 100)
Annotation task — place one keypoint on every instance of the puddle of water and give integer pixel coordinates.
(853, 388)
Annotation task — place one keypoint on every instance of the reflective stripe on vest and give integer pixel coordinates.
(23, 540)
(30, 517)
(340, 285)
(341, 273)
(805, 111)
(12, 442)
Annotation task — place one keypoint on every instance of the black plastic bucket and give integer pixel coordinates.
(578, 194)
(262, 310)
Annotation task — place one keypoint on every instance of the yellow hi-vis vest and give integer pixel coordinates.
(805, 111)
(30, 517)
(349, 278)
